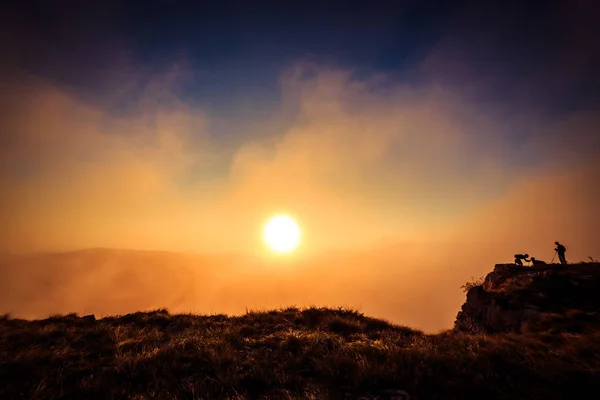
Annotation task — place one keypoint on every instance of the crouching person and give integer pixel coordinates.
(519, 258)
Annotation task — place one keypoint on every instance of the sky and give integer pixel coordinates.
(417, 143)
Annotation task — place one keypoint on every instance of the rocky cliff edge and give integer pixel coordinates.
(551, 298)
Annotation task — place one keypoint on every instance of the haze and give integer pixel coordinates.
(137, 174)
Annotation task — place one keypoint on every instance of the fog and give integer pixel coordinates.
(402, 194)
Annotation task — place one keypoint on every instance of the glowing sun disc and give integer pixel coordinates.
(282, 234)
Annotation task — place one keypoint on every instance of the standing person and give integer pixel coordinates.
(560, 249)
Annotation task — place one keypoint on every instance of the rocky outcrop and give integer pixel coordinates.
(512, 297)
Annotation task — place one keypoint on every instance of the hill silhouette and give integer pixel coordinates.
(318, 353)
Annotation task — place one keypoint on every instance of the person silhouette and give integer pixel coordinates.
(560, 249)
(520, 257)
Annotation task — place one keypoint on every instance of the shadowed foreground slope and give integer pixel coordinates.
(284, 354)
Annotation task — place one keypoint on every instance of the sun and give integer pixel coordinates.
(282, 233)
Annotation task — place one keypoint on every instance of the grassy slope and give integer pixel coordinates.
(289, 353)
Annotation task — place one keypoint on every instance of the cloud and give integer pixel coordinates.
(540, 210)
(403, 191)
(400, 162)
(516, 59)
(72, 171)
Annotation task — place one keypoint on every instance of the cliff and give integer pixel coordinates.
(548, 298)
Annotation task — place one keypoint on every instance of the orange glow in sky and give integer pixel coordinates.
(145, 166)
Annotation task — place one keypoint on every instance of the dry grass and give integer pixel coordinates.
(291, 353)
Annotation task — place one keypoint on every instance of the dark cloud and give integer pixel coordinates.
(524, 57)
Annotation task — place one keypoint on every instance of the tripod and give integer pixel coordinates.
(555, 253)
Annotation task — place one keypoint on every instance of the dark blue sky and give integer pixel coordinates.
(236, 49)
(232, 47)
(509, 58)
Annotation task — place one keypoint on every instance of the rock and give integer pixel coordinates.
(466, 323)
(89, 318)
(487, 313)
(499, 275)
(512, 297)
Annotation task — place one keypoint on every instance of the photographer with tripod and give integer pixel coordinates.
(560, 250)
